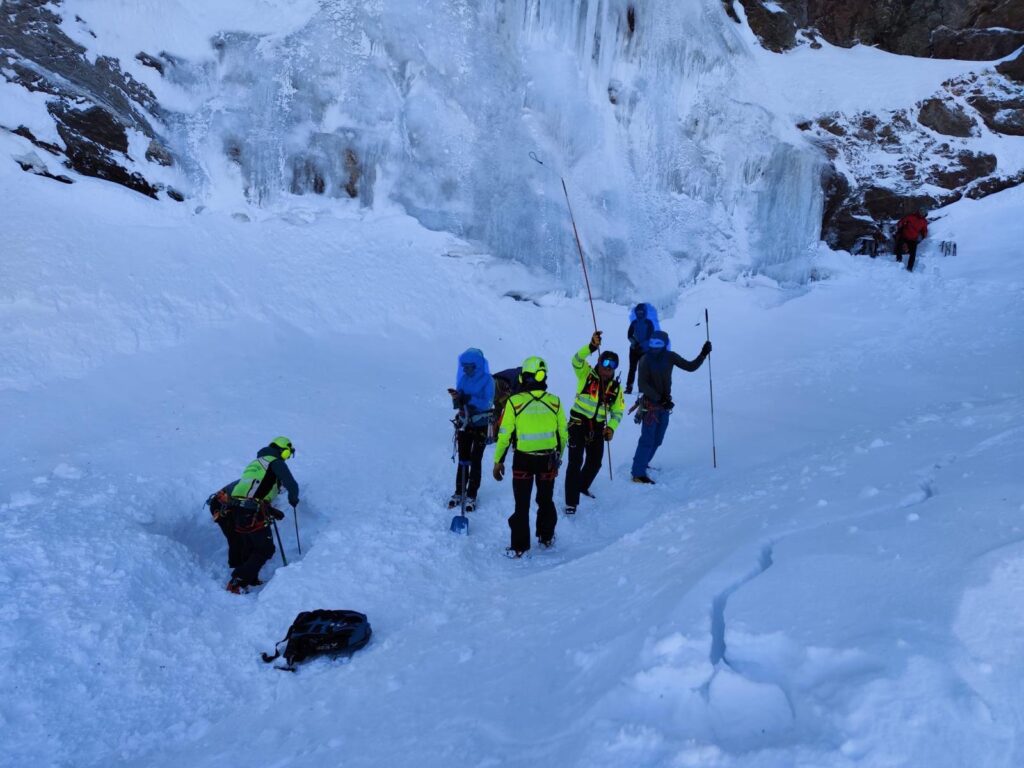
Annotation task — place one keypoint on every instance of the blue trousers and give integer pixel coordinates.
(651, 435)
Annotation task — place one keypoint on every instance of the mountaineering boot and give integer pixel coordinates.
(546, 543)
(237, 587)
(470, 503)
(455, 501)
(514, 554)
(586, 492)
(643, 479)
(570, 510)
(628, 390)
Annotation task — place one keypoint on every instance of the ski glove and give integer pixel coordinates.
(595, 341)
(277, 514)
(293, 500)
(608, 434)
(706, 349)
(499, 472)
(667, 404)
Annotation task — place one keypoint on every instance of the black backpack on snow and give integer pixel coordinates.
(314, 633)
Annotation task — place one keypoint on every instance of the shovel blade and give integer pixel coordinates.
(460, 524)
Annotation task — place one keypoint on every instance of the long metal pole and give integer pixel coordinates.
(586, 280)
(711, 390)
(280, 546)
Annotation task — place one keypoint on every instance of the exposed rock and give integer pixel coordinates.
(94, 124)
(886, 204)
(158, 153)
(969, 167)
(175, 194)
(94, 103)
(971, 29)
(31, 163)
(994, 184)
(25, 133)
(1013, 69)
(945, 119)
(149, 61)
(90, 136)
(1000, 115)
(774, 28)
(974, 44)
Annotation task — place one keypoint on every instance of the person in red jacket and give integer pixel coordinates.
(911, 230)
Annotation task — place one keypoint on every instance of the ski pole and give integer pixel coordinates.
(711, 391)
(579, 246)
(295, 513)
(280, 546)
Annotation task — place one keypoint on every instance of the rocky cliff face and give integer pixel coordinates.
(947, 29)
(927, 155)
(104, 118)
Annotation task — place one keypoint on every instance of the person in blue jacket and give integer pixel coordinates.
(473, 396)
(643, 322)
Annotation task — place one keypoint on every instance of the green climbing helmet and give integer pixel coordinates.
(287, 449)
(535, 367)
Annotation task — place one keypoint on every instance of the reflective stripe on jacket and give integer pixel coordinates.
(253, 477)
(591, 402)
(536, 421)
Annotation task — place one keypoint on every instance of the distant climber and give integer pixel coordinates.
(593, 419)
(251, 507)
(911, 230)
(534, 427)
(473, 396)
(655, 383)
(643, 322)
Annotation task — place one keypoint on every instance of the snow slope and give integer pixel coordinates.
(842, 590)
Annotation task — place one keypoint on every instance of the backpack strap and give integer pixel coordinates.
(267, 658)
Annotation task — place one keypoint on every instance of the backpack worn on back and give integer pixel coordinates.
(319, 632)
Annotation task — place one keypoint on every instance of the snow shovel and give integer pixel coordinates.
(460, 523)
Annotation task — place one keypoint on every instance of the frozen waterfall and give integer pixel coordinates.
(437, 106)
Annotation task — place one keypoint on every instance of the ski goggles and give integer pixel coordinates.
(609, 363)
(656, 344)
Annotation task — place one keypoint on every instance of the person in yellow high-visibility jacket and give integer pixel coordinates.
(593, 419)
(533, 424)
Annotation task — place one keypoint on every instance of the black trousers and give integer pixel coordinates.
(472, 442)
(227, 527)
(635, 353)
(911, 251)
(586, 450)
(527, 469)
(255, 549)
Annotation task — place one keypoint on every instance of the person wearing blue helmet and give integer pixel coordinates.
(643, 322)
(655, 383)
(473, 396)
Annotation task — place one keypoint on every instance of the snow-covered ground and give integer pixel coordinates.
(843, 590)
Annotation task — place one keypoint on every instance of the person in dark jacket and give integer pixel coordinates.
(223, 515)
(643, 322)
(474, 397)
(251, 499)
(506, 384)
(655, 383)
(911, 230)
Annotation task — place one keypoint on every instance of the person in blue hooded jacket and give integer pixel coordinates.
(473, 396)
(643, 322)
(655, 383)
